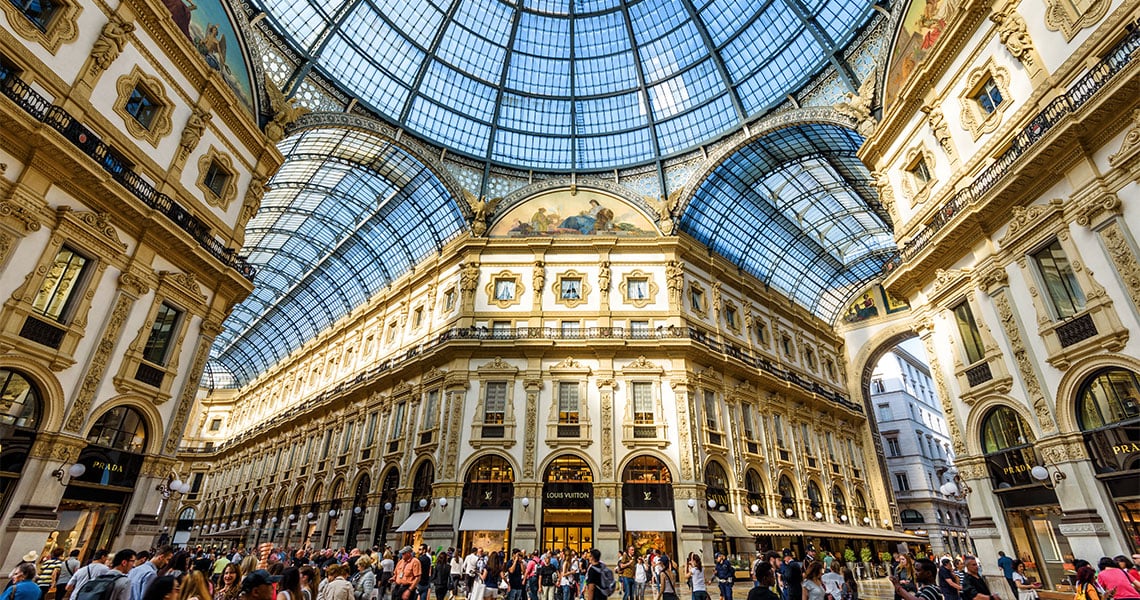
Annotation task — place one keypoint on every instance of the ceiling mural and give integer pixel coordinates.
(563, 212)
(920, 30)
(207, 24)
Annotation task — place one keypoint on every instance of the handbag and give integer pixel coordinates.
(478, 590)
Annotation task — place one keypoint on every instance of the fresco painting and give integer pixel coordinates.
(563, 213)
(921, 28)
(207, 25)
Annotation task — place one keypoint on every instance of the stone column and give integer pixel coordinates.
(607, 519)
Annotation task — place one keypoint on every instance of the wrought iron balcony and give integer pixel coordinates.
(19, 92)
(1076, 330)
(1064, 105)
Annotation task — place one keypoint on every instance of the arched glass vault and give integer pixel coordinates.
(567, 85)
(796, 209)
(347, 213)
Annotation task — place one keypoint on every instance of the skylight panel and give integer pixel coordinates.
(461, 93)
(535, 115)
(600, 152)
(544, 36)
(672, 53)
(549, 152)
(472, 54)
(725, 18)
(464, 134)
(652, 19)
(703, 123)
(300, 19)
(582, 7)
(600, 35)
(418, 19)
(382, 46)
(558, 7)
(611, 113)
(774, 28)
(540, 76)
(685, 91)
(491, 20)
(605, 75)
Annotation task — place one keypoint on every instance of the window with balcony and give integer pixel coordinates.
(639, 329)
(1060, 282)
(501, 330)
(63, 285)
(158, 343)
(712, 418)
(571, 329)
(968, 329)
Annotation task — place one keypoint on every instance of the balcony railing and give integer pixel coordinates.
(1076, 330)
(979, 374)
(1064, 105)
(19, 92)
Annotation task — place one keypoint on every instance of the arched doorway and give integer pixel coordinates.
(568, 504)
(359, 501)
(335, 508)
(184, 525)
(419, 506)
(1108, 412)
(840, 500)
(388, 486)
(815, 501)
(21, 410)
(91, 510)
(1031, 508)
(488, 495)
(787, 493)
(647, 502)
(754, 488)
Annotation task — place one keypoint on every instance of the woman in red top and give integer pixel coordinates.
(1113, 578)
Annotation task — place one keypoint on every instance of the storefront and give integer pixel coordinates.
(335, 514)
(419, 507)
(1108, 411)
(647, 500)
(488, 493)
(1031, 509)
(93, 504)
(568, 505)
(20, 413)
(356, 517)
(729, 535)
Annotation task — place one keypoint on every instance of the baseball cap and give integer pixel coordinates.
(258, 578)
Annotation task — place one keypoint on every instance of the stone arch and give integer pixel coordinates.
(465, 468)
(545, 464)
(155, 432)
(983, 408)
(1066, 406)
(674, 472)
(48, 386)
(754, 131)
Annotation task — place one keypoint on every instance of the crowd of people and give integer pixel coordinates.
(416, 573)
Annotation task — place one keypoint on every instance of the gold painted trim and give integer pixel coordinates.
(914, 191)
(974, 119)
(63, 26)
(504, 276)
(229, 193)
(703, 309)
(161, 126)
(583, 291)
(652, 288)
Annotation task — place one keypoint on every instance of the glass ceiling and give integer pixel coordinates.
(561, 85)
(346, 214)
(793, 209)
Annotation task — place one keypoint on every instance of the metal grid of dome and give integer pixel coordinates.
(568, 85)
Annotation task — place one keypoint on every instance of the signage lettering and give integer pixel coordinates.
(106, 466)
(1127, 448)
(1015, 469)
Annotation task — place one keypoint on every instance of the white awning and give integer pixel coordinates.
(649, 520)
(413, 522)
(730, 525)
(485, 519)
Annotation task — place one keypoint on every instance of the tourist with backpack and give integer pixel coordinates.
(599, 578)
(666, 584)
(112, 585)
(97, 566)
(67, 570)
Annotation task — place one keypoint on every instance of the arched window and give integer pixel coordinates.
(716, 485)
(421, 486)
(646, 469)
(121, 428)
(491, 469)
(911, 516)
(861, 516)
(490, 483)
(20, 404)
(647, 483)
(1107, 397)
(754, 486)
(815, 497)
(1003, 429)
(787, 496)
(840, 502)
(568, 469)
(390, 483)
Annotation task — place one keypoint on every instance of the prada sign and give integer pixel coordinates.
(1115, 449)
(112, 468)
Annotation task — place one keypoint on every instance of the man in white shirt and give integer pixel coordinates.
(97, 566)
(471, 566)
(833, 581)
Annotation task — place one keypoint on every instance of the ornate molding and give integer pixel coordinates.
(944, 394)
(1024, 363)
(1130, 146)
(1070, 17)
(192, 133)
(189, 391)
(62, 27)
(97, 367)
(505, 289)
(20, 214)
(974, 119)
(160, 124)
(1014, 35)
(1119, 246)
(112, 40)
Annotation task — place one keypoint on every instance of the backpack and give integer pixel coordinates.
(546, 572)
(100, 588)
(606, 586)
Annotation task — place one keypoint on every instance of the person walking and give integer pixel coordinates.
(697, 578)
(973, 586)
(1005, 563)
(764, 580)
(49, 571)
(832, 580)
(67, 570)
(666, 585)
(813, 582)
(925, 579)
(725, 576)
(948, 582)
(640, 578)
(627, 563)
(97, 566)
(142, 575)
(23, 584)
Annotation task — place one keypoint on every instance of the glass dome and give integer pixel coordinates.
(560, 85)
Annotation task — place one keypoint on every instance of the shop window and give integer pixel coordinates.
(1060, 282)
(1110, 396)
(422, 486)
(121, 428)
(902, 483)
(1003, 429)
(716, 486)
(787, 494)
(158, 343)
(754, 487)
(62, 287)
(968, 330)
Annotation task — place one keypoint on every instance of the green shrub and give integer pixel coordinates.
(848, 555)
(865, 554)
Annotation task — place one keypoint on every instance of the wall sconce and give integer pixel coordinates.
(843, 518)
(172, 485)
(818, 516)
(788, 512)
(957, 488)
(356, 510)
(332, 514)
(608, 502)
(442, 503)
(866, 520)
(292, 517)
(692, 504)
(423, 502)
(387, 506)
(245, 522)
(755, 508)
(258, 522)
(309, 516)
(712, 504)
(1049, 479)
(75, 470)
(525, 503)
(273, 520)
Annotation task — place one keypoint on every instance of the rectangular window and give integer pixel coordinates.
(215, 425)
(885, 413)
(57, 294)
(570, 288)
(901, 482)
(418, 318)
(500, 330)
(216, 178)
(786, 343)
(1060, 281)
(920, 172)
(495, 403)
(710, 411)
(639, 329)
(568, 402)
(431, 409)
(988, 96)
(161, 334)
(370, 431)
(730, 317)
(398, 420)
(805, 433)
(327, 442)
(830, 446)
(921, 449)
(893, 447)
(746, 419)
(696, 300)
(968, 329)
(642, 403)
(778, 425)
(346, 439)
(142, 106)
(449, 299)
(391, 331)
(637, 288)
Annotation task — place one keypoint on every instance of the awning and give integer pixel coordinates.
(485, 519)
(227, 532)
(649, 520)
(414, 521)
(730, 525)
(773, 526)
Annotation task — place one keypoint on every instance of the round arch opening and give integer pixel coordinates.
(22, 409)
(647, 505)
(568, 504)
(389, 483)
(488, 500)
